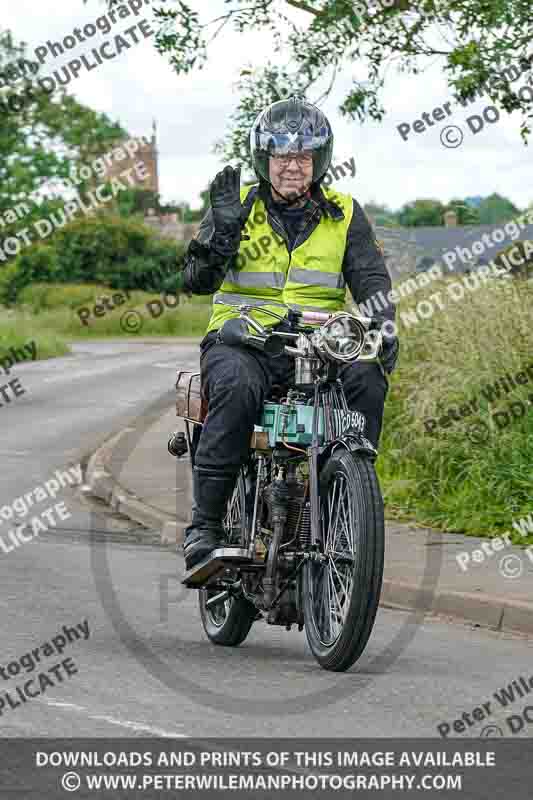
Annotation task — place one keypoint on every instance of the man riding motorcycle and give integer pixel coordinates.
(305, 244)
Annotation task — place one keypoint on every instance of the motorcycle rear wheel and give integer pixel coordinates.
(228, 622)
(341, 595)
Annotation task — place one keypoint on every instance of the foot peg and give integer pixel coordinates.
(216, 562)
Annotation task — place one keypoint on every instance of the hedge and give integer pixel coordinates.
(104, 249)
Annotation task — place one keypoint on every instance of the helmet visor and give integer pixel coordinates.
(278, 144)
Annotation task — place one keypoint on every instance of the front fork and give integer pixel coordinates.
(326, 401)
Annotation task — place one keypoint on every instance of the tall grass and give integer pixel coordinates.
(16, 329)
(47, 315)
(459, 479)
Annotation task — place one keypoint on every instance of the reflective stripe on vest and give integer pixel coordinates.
(263, 273)
(226, 297)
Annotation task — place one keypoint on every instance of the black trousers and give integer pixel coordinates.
(236, 382)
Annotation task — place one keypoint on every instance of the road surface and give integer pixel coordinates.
(146, 668)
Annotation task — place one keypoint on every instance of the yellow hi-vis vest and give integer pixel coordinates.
(265, 274)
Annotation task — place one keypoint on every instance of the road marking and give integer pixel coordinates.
(124, 723)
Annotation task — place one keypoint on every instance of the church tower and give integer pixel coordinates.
(149, 155)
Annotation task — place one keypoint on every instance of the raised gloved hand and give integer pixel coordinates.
(224, 194)
(391, 346)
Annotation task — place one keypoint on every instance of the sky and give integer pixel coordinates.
(192, 112)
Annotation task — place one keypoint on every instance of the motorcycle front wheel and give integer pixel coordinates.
(341, 593)
(228, 622)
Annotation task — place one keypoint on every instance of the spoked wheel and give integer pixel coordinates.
(341, 593)
(228, 620)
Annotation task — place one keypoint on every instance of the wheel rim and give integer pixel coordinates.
(232, 524)
(217, 613)
(333, 578)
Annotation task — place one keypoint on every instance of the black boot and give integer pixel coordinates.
(211, 490)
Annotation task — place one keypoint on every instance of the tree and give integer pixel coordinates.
(466, 213)
(381, 215)
(122, 254)
(206, 202)
(41, 142)
(475, 40)
(495, 209)
(137, 201)
(421, 212)
(191, 215)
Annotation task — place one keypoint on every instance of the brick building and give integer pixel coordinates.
(149, 155)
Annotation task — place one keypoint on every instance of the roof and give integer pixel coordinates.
(409, 249)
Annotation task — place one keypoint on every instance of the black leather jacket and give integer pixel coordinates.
(363, 266)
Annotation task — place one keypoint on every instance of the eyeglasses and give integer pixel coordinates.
(301, 159)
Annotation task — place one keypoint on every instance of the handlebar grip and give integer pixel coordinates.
(234, 332)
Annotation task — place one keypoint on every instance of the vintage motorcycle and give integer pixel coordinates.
(304, 527)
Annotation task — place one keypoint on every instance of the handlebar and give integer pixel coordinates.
(310, 317)
(367, 346)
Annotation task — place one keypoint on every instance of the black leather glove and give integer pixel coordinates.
(391, 346)
(224, 194)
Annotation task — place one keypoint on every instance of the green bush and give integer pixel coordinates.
(105, 249)
(520, 254)
(37, 263)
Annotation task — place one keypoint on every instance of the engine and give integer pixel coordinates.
(298, 526)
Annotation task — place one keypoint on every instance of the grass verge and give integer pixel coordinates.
(474, 475)
(48, 315)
